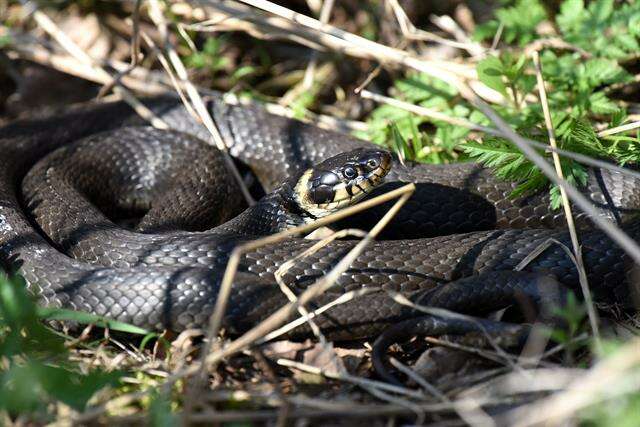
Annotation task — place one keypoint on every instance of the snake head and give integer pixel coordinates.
(341, 180)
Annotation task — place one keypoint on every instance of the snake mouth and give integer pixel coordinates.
(341, 181)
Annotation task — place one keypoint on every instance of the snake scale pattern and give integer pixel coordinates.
(81, 173)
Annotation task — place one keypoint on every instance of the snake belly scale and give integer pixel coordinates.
(164, 270)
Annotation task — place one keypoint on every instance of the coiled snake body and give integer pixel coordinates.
(460, 223)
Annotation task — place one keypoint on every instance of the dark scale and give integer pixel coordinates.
(321, 186)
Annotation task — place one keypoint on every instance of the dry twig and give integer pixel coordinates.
(609, 379)
(197, 103)
(353, 379)
(314, 290)
(577, 250)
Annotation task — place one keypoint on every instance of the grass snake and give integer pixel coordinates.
(68, 182)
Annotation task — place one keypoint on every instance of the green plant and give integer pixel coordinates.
(160, 412)
(577, 101)
(623, 410)
(34, 363)
(416, 137)
(5, 40)
(519, 22)
(620, 412)
(212, 59)
(580, 90)
(572, 317)
(604, 27)
(301, 103)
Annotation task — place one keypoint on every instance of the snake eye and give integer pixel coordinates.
(349, 172)
(372, 163)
